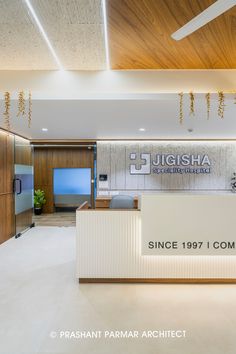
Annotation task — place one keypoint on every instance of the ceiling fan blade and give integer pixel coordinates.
(213, 11)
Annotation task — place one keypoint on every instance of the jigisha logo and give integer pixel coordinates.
(169, 160)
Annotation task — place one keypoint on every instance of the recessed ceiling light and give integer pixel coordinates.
(104, 10)
(142, 129)
(206, 16)
(43, 33)
(44, 129)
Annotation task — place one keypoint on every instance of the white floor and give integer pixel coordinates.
(40, 299)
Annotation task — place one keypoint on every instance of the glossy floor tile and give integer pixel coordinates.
(43, 308)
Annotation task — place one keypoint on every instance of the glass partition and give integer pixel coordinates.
(23, 188)
(23, 185)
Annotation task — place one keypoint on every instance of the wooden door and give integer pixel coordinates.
(7, 219)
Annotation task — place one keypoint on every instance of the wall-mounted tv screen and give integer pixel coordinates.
(72, 181)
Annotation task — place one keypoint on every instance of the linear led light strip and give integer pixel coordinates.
(44, 34)
(213, 11)
(106, 34)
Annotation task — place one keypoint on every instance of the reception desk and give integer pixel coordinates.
(104, 202)
(111, 243)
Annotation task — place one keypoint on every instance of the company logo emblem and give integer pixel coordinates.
(143, 168)
(168, 163)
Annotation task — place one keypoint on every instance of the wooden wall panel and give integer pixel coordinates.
(7, 224)
(42, 164)
(140, 36)
(23, 151)
(48, 158)
(6, 162)
(7, 221)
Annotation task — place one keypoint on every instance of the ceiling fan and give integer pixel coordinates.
(213, 11)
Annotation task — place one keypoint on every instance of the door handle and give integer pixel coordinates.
(15, 187)
(20, 187)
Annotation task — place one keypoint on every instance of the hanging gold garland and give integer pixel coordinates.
(192, 99)
(181, 114)
(21, 108)
(7, 100)
(208, 102)
(221, 104)
(21, 104)
(30, 110)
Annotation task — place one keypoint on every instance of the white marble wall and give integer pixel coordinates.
(113, 160)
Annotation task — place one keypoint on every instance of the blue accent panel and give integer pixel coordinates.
(72, 181)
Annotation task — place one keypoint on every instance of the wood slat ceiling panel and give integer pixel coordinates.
(140, 36)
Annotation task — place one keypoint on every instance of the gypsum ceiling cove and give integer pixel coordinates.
(112, 119)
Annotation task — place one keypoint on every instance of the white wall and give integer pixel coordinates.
(79, 84)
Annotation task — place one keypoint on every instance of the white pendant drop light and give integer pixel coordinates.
(213, 11)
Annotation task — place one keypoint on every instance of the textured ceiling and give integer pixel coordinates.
(74, 27)
(22, 46)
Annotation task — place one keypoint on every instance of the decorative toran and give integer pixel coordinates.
(181, 114)
(7, 101)
(21, 108)
(208, 103)
(221, 104)
(192, 98)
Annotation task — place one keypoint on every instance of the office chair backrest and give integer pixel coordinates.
(122, 202)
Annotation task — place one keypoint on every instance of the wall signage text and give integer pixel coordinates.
(169, 163)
